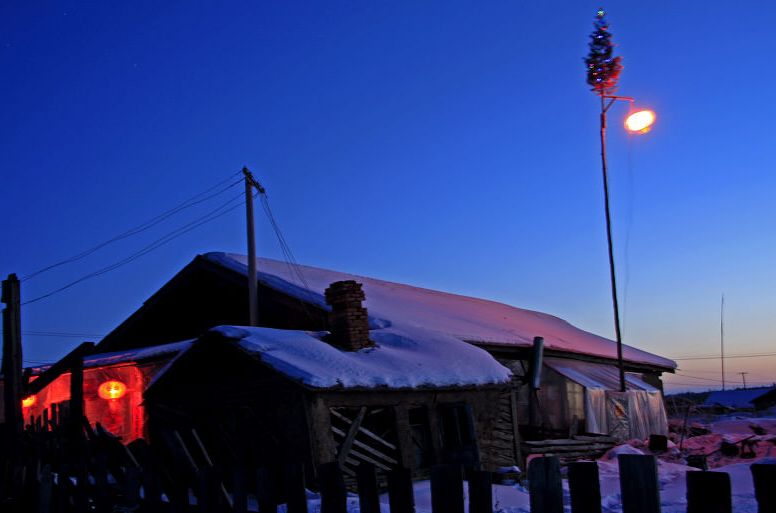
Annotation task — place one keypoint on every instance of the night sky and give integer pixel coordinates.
(446, 144)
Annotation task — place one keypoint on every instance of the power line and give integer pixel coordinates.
(222, 210)
(193, 201)
(289, 258)
(715, 380)
(742, 355)
(60, 334)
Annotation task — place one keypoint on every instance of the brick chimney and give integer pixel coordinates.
(348, 321)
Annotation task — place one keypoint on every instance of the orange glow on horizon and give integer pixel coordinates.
(29, 401)
(640, 122)
(112, 390)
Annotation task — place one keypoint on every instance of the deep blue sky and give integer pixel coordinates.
(447, 144)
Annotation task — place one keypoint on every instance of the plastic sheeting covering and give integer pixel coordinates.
(636, 413)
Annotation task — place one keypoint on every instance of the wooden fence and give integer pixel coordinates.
(69, 469)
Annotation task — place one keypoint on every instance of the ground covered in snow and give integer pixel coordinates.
(671, 469)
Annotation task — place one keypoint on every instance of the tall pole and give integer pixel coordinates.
(612, 275)
(722, 338)
(743, 376)
(253, 299)
(12, 369)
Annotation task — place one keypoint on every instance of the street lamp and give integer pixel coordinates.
(638, 122)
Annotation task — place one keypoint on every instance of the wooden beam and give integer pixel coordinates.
(515, 430)
(62, 366)
(77, 395)
(364, 430)
(348, 442)
(404, 436)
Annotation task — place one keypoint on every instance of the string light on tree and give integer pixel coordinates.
(603, 68)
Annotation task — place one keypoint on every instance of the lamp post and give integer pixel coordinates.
(603, 71)
(637, 122)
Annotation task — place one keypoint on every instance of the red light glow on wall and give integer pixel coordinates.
(112, 390)
(29, 401)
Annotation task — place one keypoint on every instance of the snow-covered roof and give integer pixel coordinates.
(401, 359)
(128, 356)
(736, 398)
(465, 318)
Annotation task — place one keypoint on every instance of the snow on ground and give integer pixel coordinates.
(514, 499)
(758, 432)
(671, 471)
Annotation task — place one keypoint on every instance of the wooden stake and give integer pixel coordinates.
(12, 368)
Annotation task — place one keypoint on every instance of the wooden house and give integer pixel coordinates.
(579, 390)
(229, 374)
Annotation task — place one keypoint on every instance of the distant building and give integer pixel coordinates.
(742, 399)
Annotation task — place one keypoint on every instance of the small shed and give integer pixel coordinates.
(765, 400)
(262, 397)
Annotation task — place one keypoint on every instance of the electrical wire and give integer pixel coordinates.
(220, 211)
(716, 381)
(60, 334)
(193, 201)
(288, 255)
(716, 357)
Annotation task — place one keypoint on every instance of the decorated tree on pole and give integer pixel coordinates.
(603, 68)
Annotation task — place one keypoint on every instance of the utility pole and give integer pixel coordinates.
(612, 274)
(722, 338)
(253, 299)
(743, 376)
(12, 369)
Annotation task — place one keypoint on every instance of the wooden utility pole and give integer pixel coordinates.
(743, 376)
(253, 299)
(610, 245)
(12, 368)
(722, 338)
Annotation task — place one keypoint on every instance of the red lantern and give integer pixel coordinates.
(112, 390)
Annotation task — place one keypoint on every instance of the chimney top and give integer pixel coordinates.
(348, 320)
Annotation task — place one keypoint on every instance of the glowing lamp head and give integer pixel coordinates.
(29, 401)
(112, 390)
(640, 122)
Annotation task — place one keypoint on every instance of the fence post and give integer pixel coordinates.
(447, 489)
(333, 493)
(638, 484)
(480, 492)
(208, 493)
(400, 495)
(132, 488)
(294, 485)
(708, 492)
(368, 496)
(239, 491)
(266, 496)
(584, 487)
(544, 485)
(44, 490)
(764, 477)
